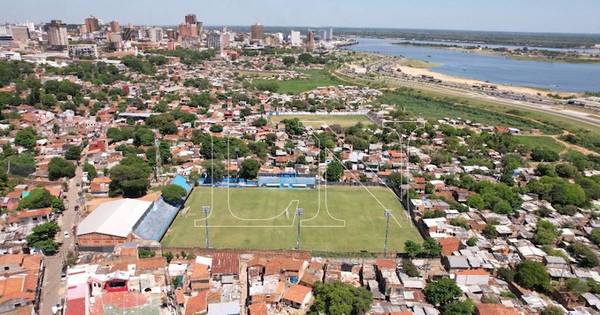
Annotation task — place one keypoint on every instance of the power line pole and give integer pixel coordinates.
(299, 212)
(206, 210)
(387, 214)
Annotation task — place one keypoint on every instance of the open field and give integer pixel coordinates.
(316, 78)
(418, 104)
(335, 219)
(545, 142)
(316, 121)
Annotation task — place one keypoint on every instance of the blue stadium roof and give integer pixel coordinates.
(180, 181)
(154, 224)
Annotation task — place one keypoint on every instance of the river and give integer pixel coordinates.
(568, 77)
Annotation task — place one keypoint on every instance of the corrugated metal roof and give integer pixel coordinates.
(114, 217)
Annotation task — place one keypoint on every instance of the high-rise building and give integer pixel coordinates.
(191, 28)
(155, 34)
(330, 36)
(57, 35)
(256, 33)
(20, 33)
(213, 40)
(310, 40)
(191, 19)
(92, 24)
(115, 27)
(323, 35)
(295, 39)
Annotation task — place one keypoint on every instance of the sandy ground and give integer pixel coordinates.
(447, 78)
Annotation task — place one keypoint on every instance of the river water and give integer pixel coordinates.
(569, 77)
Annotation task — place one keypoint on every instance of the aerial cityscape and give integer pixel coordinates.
(170, 165)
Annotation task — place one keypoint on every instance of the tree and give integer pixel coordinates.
(130, 177)
(214, 169)
(546, 233)
(396, 179)
(412, 248)
(59, 167)
(584, 254)
(216, 128)
(595, 236)
(21, 164)
(475, 201)
(73, 153)
(41, 198)
(260, 122)
(552, 310)
(340, 298)
(249, 169)
(442, 292)
(566, 170)
(26, 138)
(466, 307)
(173, 194)
(432, 247)
(293, 127)
(143, 137)
(532, 275)
(42, 237)
(288, 60)
(90, 170)
(544, 155)
(334, 171)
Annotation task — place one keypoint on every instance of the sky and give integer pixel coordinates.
(562, 16)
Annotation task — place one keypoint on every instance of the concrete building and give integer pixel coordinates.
(92, 24)
(295, 39)
(20, 34)
(155, 34)
(256, 33)
(115, 26)
(213, 40)
(310, 40)
(83, 51)
(57, 35)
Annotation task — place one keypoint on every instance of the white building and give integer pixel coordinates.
(295, 39)
(83, 51)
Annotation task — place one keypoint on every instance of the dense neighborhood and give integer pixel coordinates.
(107, 140)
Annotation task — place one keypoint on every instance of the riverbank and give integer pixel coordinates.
(541, 55)
(429, 72)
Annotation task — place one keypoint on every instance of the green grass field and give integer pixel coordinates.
(335, 219)
(316, 78)
(317, 121)
(541, 142)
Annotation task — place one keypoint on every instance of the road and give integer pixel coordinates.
(53, 289)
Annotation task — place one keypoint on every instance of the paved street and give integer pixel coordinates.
(53, 288)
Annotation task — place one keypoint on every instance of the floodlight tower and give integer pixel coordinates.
(387, 213)
(206, 210)
(299, 213)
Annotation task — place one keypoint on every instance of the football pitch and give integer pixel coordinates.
(334, 218)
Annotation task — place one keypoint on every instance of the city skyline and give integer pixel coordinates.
(510, 16)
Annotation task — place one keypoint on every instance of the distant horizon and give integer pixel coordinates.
(511, 16)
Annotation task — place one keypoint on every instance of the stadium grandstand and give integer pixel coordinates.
(286, 180)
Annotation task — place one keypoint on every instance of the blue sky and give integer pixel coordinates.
(498, 15)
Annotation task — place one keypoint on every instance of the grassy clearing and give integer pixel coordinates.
(316, 78)
(419, 104)
(416, 63)
(541, 142)
(481, 102)
(336, 219)
(317, 121)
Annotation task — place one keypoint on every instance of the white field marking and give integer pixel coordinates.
(365, 187)
(285, 211)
